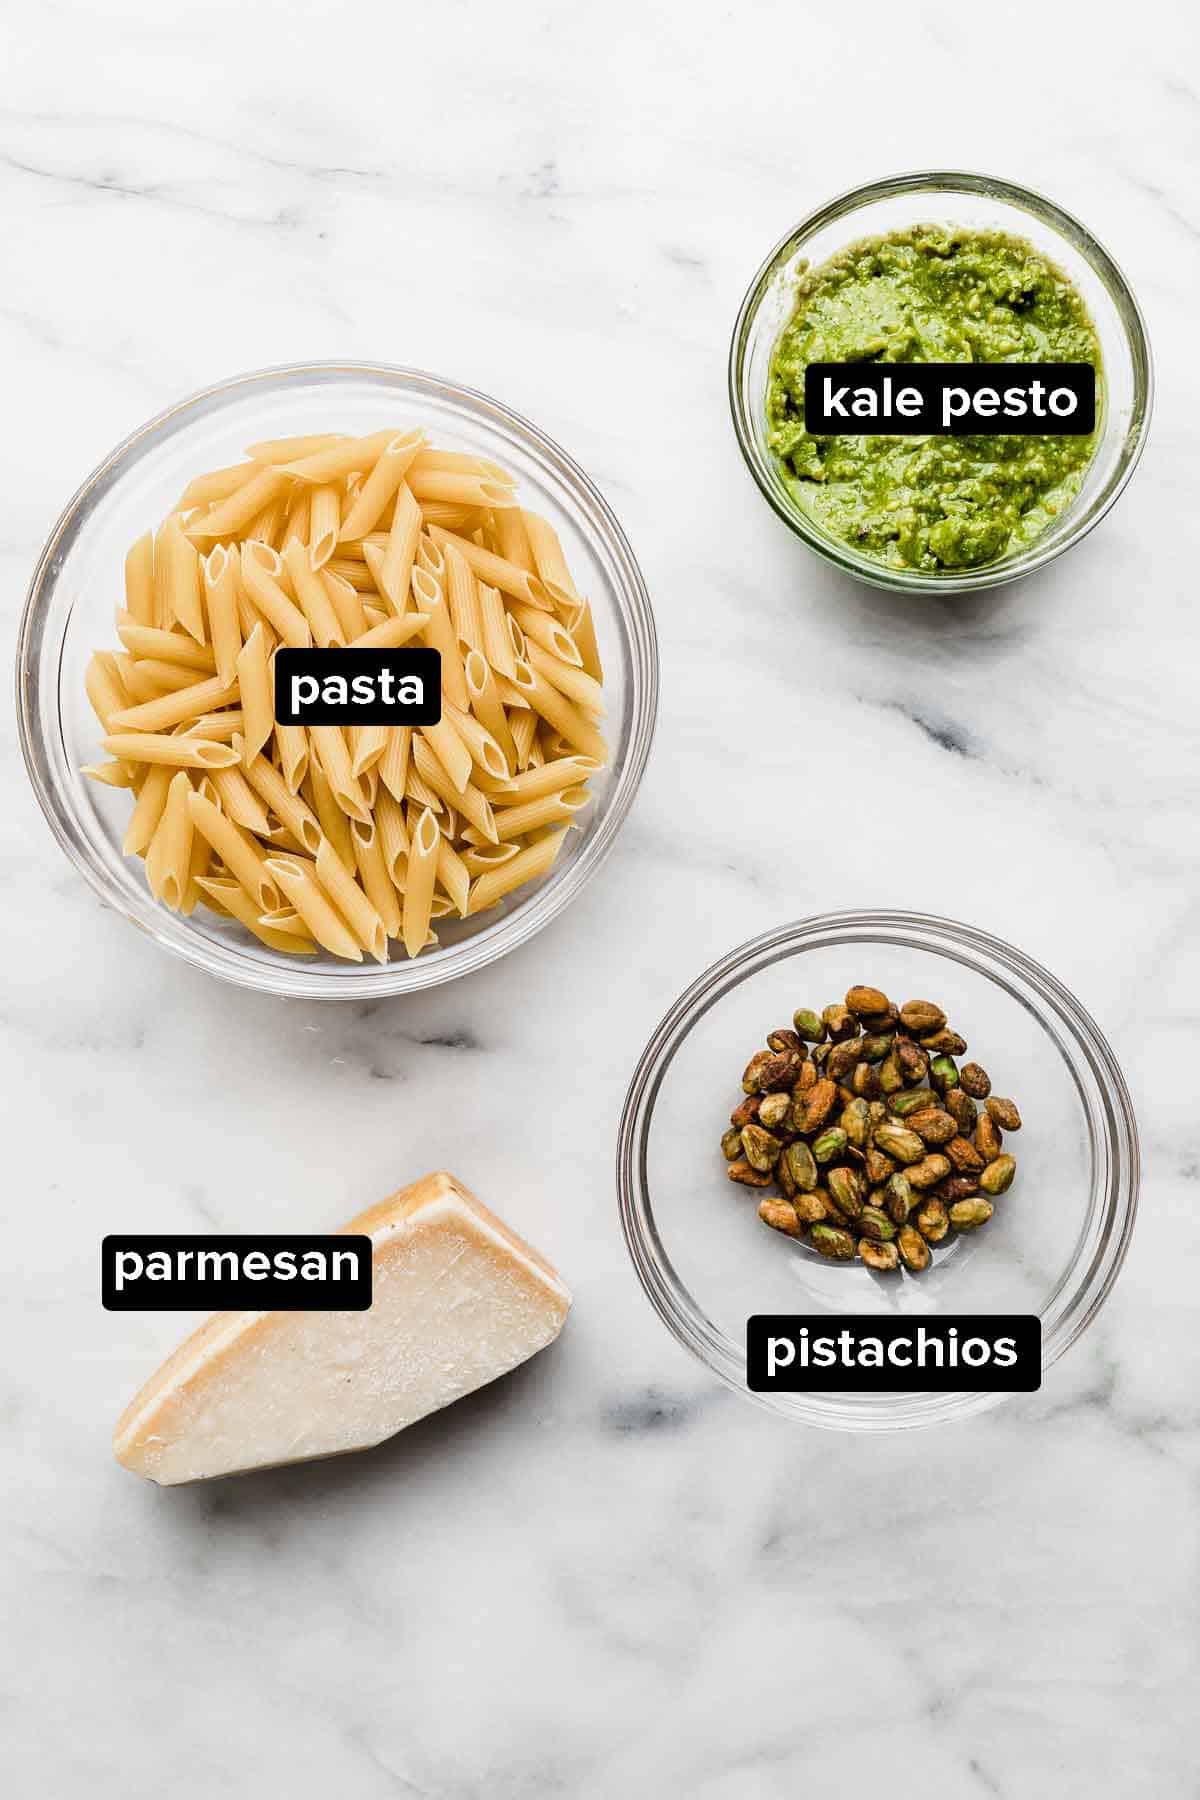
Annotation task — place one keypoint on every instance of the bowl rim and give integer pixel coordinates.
(1071, 230)
(977, 950)
(511, 931)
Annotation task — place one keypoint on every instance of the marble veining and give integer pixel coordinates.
(607, 1576)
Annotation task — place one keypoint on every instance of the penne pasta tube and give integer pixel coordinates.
(551, 778)
(312, 597)
(218, 484)
(261, 569)
(181, 597)
(478, 860)
(512, 539)
(395, 574)
(495, 570)
(257, 696)
(419, 884)
(392, 633)
(176, 708)
(429, 557)
(393, 765)
(174, 752)
(291, 449)
(488, 708)
(450, 750)
(497, 640)
(139, 580)
(330, 746)
(228, 517)
(291, 743)
(559, 712)
(220, 727)
(460, 488)
(220, 578)
(375, 875)
(343, 457)
(149, 679)
(168, 858)
(463, 462)
(104, 688)
(582, 627)
(574, 682)
(368, 743)
(468, 800)
(548, 558)
(335, 826)
(298, 885)
(143, 821)
(324, 524)
(454, 876)
(485, 752)
(346, 604)
(534, 860)
(236, 849)
(298, 523)
(440, 635)
(545, 809)
(543, 629)
(381, 485)
(393, 835)
(524, 730)
(110, 774)
(234, 900)
(238, 800)
(463, 602)
(356, 908)
(288, 807)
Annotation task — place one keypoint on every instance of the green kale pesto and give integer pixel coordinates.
(931, 293)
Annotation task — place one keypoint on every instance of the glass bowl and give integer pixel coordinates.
(77, 586)
(1055, 1243)
(981, 202)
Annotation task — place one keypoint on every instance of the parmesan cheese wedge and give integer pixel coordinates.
(458, 1300)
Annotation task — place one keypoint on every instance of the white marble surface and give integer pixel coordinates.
(609, 1577)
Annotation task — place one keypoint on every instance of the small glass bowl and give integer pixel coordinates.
(1057, 1238)
(77, 587)
(983, 203)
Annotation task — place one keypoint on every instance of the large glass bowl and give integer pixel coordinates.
(1055, 1243)
(983, 203)
(77, 587)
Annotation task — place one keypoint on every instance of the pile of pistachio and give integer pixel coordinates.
(879, 1143)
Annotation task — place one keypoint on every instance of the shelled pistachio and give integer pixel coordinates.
(878, 1142)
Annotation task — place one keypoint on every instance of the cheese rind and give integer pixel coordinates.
(458, 1300)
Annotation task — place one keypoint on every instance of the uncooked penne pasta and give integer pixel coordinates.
(338, 839)
(261, 569)
(419, 884)
(243, 858)
(294, 881)
(527, 865)
(494, 569)
(234, 900)
(375, 875)
(569, 679)
(188, 702)
(139, 580)
(175, 752)
(221, 602)
(355, 906)
(334, 823)
(168, 857)
(256, 692)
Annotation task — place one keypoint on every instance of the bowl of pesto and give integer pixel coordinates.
(938, 268)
